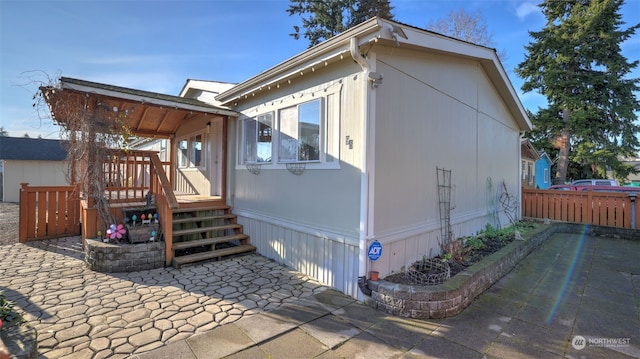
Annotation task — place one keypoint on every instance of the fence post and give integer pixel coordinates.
(22, 220)
(632, 197)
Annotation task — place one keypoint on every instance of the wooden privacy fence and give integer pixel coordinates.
(48, 212)
(611, 209)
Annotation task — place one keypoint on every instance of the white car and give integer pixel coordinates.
(595, 182)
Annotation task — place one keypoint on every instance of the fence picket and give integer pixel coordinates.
(612, 209)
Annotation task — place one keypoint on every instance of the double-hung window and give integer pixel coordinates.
(190, 153)
(258, 134)
(299, 127)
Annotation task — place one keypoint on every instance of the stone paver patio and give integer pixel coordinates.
(81, 313)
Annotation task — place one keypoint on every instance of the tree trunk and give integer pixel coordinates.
(565, 150)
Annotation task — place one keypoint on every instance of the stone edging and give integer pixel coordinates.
(113, 258)
(450, 298)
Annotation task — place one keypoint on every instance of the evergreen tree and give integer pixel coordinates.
(576, 62)
(327, 18)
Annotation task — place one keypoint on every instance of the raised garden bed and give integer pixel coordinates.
(124, 257)
(452, 296)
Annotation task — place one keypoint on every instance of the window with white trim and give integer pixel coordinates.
(258, 135)
(300, 132)
(190, 154)
(290, 134)
(546, 175)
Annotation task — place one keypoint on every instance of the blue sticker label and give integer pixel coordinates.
(375, 251)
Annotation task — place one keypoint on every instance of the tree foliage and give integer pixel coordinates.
(575, 61)
(323, 19)
(466, 26)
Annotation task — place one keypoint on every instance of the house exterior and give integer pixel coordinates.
(336, 150)
(633, 180)
(528, 164)
(543, 171)
(339, 147)
(37, 161)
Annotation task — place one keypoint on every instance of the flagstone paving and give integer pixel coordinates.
(575, 296)
(81, 313)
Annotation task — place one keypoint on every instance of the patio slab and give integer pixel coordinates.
(571, 286)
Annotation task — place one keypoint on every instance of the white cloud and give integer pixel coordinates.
(526, 8)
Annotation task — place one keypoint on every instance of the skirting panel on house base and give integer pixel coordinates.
(331, 261)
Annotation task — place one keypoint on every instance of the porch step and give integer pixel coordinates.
(182, 232)
(209, 241)
(203, 218)
(201, 209)
(218, 253)
(205, 228)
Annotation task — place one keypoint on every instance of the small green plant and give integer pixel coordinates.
(475, 243)
(8, 313)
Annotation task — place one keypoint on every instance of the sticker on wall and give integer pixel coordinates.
(375, 251)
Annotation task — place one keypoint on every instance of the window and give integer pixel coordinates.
(258, 134)
(300, 132)
(304, 128)
(546, 175)
(190, 152)
(530, 173)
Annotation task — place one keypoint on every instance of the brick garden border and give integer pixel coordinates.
(450, 298)
(114, 258)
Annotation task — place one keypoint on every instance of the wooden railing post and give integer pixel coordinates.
(22, 232)
(632, 198)
(165, 201)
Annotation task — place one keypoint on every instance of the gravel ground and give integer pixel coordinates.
(9, 222)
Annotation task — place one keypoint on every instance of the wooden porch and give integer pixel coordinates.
(194, 227)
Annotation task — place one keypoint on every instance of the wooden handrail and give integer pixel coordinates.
(161, 176)
(166, 202)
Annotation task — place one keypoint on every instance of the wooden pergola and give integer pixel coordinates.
(108, 108)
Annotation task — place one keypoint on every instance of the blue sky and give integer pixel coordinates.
(158, 45)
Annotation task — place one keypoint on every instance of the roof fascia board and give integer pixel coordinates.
(145, 99)
(328, 49)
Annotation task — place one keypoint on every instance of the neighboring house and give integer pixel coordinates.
(339, 147)
(36, 161)
(543, 171)
(528, 163)
(205, 91)
(633, 179)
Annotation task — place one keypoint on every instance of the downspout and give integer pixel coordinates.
(364, 176)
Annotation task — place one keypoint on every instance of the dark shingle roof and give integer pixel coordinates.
(32, 149)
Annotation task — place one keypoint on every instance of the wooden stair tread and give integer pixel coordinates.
(203, 218)
(207, 241)
(177, 261)
(181, 232)
(199, 209)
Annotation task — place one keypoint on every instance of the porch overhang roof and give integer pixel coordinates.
(147, 114)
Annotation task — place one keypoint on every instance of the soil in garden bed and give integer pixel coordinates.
(493, 242)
